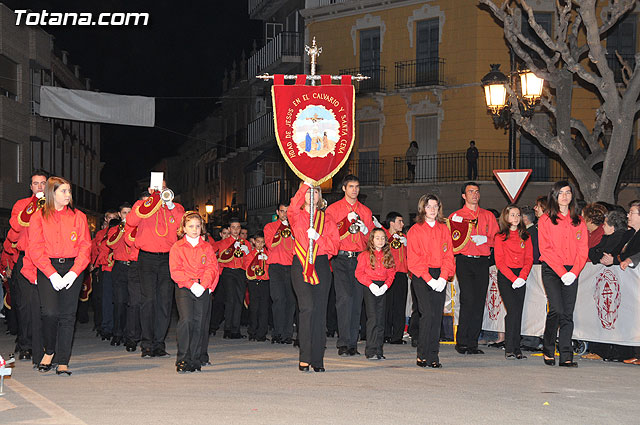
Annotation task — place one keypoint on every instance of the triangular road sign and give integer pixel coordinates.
(512, 181)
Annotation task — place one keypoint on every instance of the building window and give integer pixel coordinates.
(36, 154)
(9, 161)
(622, 39)
(544, 19)
(8, 78)
(367, 167)
(426, 134)
(271, 30)
(272, 171)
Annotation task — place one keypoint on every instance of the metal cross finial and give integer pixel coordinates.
(313, 52)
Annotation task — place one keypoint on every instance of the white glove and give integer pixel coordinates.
(518, 283)
(236, 244)
(286, 222)
(479, 239)
(352, 216)
(442, 283)
(376, 222)
(35, 282)
(434, 284)
(56, 281)
(568, 278)
(197, 289)
(69, 278)
(170, 205)
(456, 218)
(245, 249)
(312, 234)
(263, 257)
(363, 228)
(403, 240)
(210, 291)
(375, 289)
(383, 289)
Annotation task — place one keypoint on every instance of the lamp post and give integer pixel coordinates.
(208, 208)
(527, 88)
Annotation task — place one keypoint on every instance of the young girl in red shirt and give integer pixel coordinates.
(194, 268)
(376, 270)
(513, 253)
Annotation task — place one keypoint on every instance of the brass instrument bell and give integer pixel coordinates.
(286, 232)
(166, 195)
(395, 243)
(41, 202)
(237, 253)
(354, 227)
(258, 270)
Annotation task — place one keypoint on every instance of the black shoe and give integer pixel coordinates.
(262, 339)
(302, 368)
(549, 362)
(159, 352)
(380, 357)
(496, 344)
(509, 356)
(276, 340)
(205, 364)
(63, 372)
(24, 355)
(212, 333)
(237, 335)
(183, 367)
(474, 351)
(387, 340)
(421, 363)
(116, 341)
(398, 342)
(331, 334)
(130, 347)
(106, 336)
(371, 357)
(146, 353)
(44, 368)
(462, 349)
(435, 365)
(286, 341)
(252, 338)
(354, 352)
(226, 335)
(296, 343)
(318, 369)
(520, 356)
(568, 364)
(414, 342)
(343, 351)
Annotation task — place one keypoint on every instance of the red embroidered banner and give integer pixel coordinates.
(314, 127)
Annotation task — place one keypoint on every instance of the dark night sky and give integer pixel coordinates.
(181, 53)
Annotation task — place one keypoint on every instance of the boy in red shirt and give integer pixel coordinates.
(257, 272)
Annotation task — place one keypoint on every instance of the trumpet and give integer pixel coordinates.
(258, 270)
(166, 195)
(355, 227)
(395, 243)
(323, 204)
(41, 199)
(286, 232)
(121, 226)
(237, 253)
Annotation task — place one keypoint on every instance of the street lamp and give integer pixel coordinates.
(208, 207)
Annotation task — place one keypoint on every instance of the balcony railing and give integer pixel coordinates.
(370, 172)
(376, 82)
(285, 46)
(261, 131)
(310, 4)
(420, 73)
(241, 139)
(616, 67)
(270, 194)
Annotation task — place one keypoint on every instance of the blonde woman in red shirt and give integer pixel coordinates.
(376, 270)
(513, 253)
(563, 239)
(60, 248)
(430, 259)
(194, 268)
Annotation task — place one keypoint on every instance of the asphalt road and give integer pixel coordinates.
(259, 383)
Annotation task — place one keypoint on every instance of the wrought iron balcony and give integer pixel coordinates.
(285, 47)
(370, 172)
(261, 131)
(376, 82)
(420, 73)
(268, 195)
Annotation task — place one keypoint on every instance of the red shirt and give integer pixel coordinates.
(120, 249)
(399, 254)
(563, 244)
(226, 248)
(130, 240)
(338, 212)
(366, 275)
(514, 253)
(486, 226)
(190, 264)
(95, 245)
(65, 234)
(105, 254)
(430, 247)
(9, 256)
(21, 231)
(329, 240)
(282, 253)
(28, 269)
(251, 260)
(158, 232)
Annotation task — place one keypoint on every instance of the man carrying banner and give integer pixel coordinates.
(354, 221)
(472, 232)
(157, 222)
(280, 243)
(24, 295)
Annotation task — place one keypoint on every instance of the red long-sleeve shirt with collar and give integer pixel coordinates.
(95, 245)
(120, 249)
(227, 246)
(284, 251)
(130, 240)
(328, 242)
(250, 260)
(189, 264)
(28, 269)
(487, 226)
(430, 247)
(105, 254)
(64, 234)
(21, 231)
(9, 255)
(158, 232)
(563, 244)
(514, 253)
(367, 275)
(399, 254)
(338, 211)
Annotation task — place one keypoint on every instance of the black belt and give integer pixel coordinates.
(61, 260)
(475, 256)
(154, 253)
(348, 254)
(126, 263)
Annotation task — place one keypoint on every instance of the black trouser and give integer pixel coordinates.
(259, 307)
(96, 298)
(284, 301)
(204, 338)
(120, 277)
(395, 307)
(23, 303)
(561, 301)
(414, 321)
(375, 307)
(134, 300)
(107, 302)
(348, 300)
(430, 306)
(58, 312)
(157, 292)
(235, 284)
(192, 324)
(217, 305)
(473, 278)
(472, 170)
(312, 302)
(513, 302)
(332, 313)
